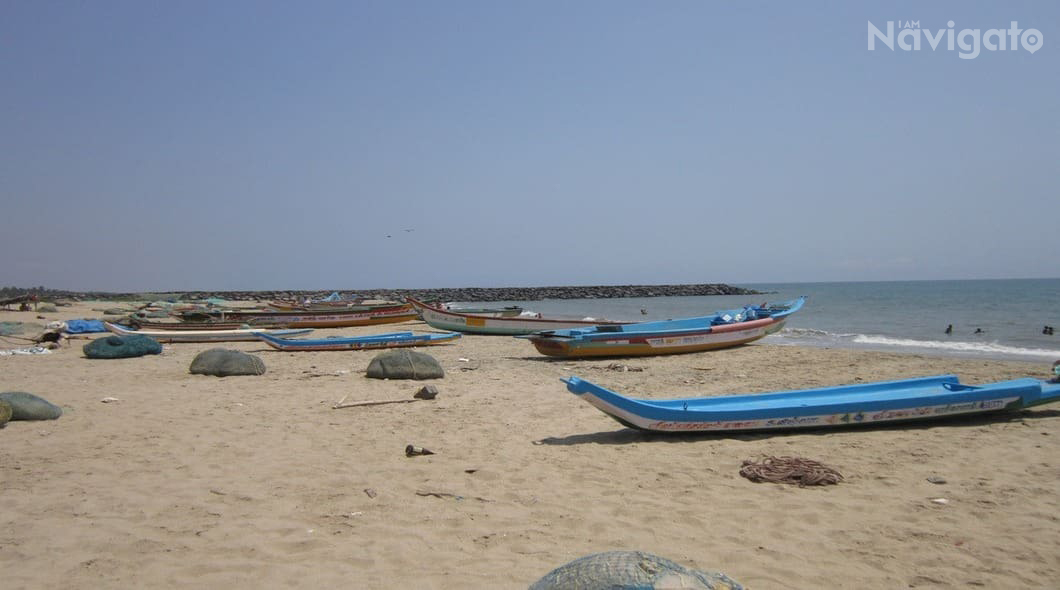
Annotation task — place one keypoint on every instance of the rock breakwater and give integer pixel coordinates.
(485, 294)
(477, 294)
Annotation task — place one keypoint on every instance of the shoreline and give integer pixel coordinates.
(245, 482)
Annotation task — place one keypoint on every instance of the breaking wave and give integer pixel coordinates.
(810, 337)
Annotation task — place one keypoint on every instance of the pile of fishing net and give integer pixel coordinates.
(221, 362)
(793, 470)
(120, 347)
(631, 570)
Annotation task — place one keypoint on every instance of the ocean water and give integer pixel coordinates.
(898, 316)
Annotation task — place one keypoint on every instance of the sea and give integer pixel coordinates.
(1002, 319)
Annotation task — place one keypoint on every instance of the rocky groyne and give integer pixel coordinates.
(483, 294)
(478, 294)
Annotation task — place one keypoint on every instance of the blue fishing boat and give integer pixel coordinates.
(722, 329)
(921, 398)
(389, 340)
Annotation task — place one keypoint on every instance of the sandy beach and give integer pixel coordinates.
(256, 482)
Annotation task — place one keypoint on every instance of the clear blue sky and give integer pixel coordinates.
(290, 145)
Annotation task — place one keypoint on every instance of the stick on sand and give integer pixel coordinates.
(425, 393)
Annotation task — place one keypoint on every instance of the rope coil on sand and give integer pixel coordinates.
(793, 470)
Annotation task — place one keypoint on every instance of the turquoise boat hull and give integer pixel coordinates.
(389, 340)
(922, 398)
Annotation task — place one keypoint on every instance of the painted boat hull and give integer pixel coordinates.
(334, 302)
(507, 312)
(316, 318)
(667, 337)
(238, 335)
(145, 324)
(496, 323)
(392, 340)
(332, 306)
(924, 398)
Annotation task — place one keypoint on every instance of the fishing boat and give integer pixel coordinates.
(922, 398)
(391, 340)
(333, 301)
(143, 323)
(384, 314)
(496, 322)
(233, 335)
(506, 311)
(721, 329)
(356, 304)
(330, 306)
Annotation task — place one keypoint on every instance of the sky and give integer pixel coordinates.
(260, 145)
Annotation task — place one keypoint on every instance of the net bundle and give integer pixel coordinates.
(791, 470)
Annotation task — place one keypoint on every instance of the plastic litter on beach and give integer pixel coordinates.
(413, 450)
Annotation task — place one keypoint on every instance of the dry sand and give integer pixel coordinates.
(256, 482)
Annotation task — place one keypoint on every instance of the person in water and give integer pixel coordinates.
(949, 329)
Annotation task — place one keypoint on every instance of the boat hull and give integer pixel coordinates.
(343, 320)
(146, 324)
(237, 335)
(659, 344)
(926, 398)
(394, 340)
(313, 318)
(722, 329)
(496, 323)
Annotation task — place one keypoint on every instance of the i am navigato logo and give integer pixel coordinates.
(969, 42)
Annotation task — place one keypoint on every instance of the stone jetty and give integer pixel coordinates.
(477, 294)
(484, 294)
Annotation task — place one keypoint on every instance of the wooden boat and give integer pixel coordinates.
(496, 322)
(236, 335)
(721, 329)
(922, 398)
(149, 324)
(387, 314)
(333, 306)
(333, 301)
(391, 340)
(506, 311)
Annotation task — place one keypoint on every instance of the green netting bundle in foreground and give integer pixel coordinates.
(120, 347)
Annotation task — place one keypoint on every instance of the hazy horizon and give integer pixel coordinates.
(750, 285)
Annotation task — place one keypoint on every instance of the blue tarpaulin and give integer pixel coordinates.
(84, 326)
